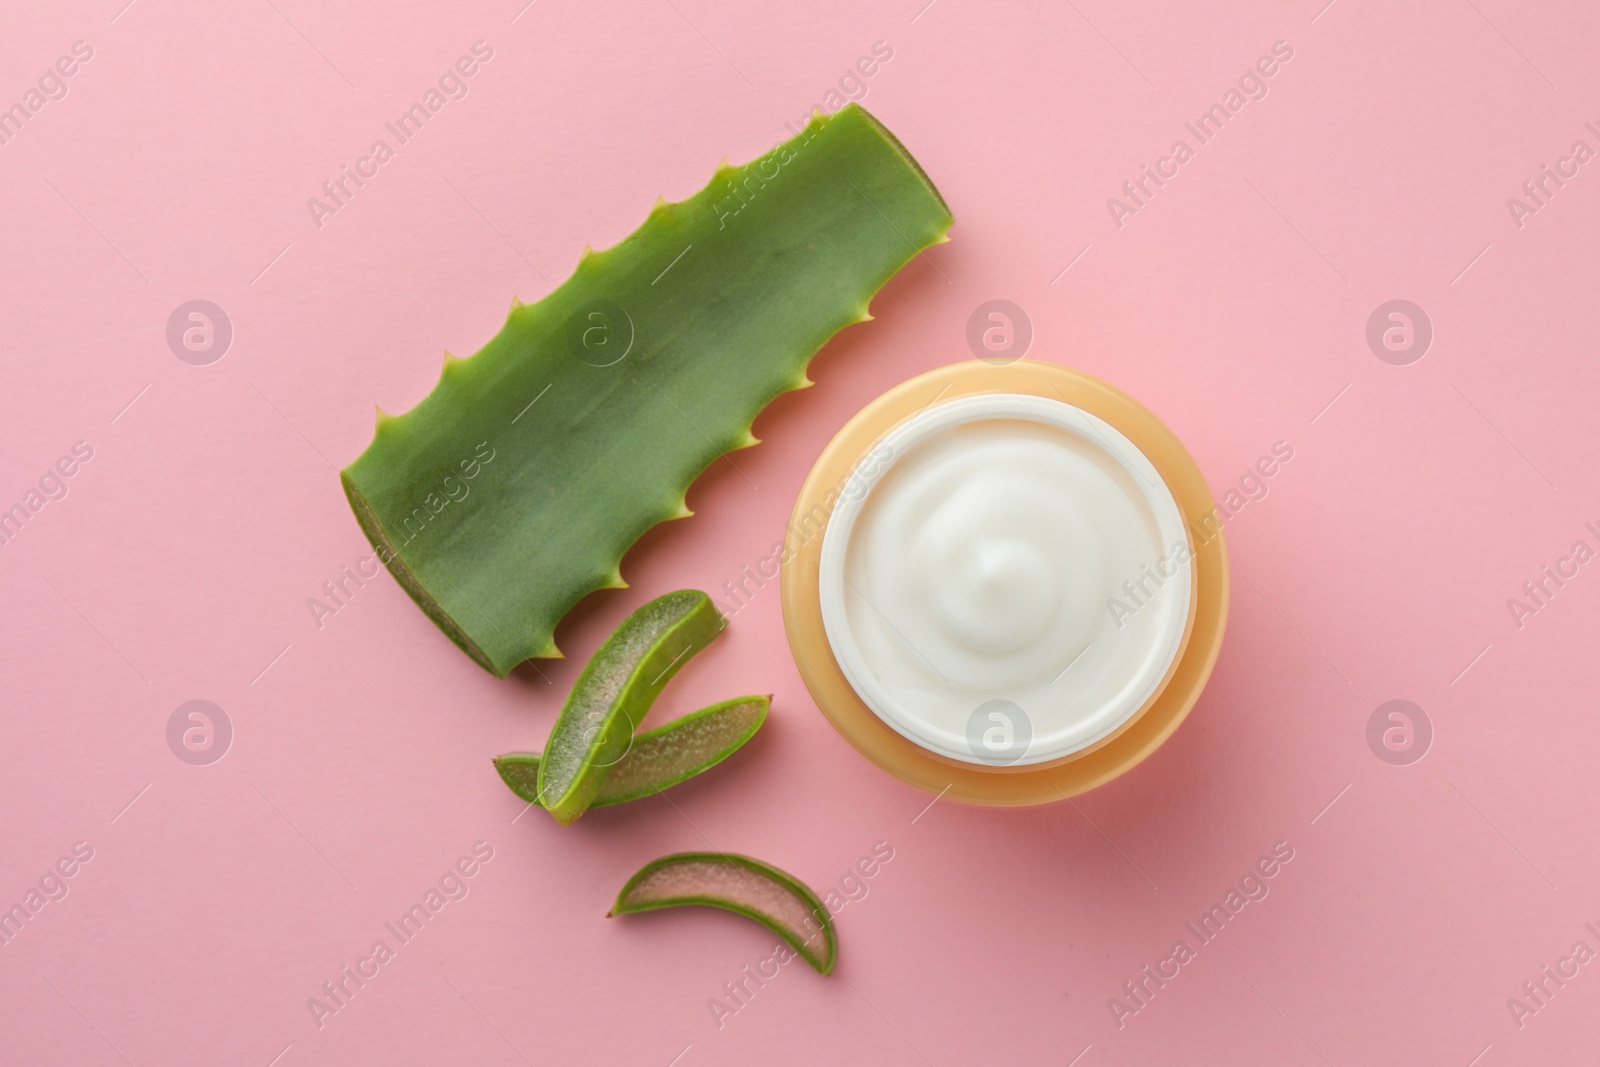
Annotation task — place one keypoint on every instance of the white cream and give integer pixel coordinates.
(972, 586)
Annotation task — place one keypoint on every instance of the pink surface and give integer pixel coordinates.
(1234, 302)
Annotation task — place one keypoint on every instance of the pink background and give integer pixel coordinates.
(219, 898)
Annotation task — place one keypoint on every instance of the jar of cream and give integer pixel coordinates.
(1005, 583)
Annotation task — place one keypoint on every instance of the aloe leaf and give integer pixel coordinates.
(659, 758)
(611, 696)
(776, 900)
(514, 488)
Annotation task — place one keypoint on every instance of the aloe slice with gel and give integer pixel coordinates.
(620, 682)
(748, 887)
(659, 758)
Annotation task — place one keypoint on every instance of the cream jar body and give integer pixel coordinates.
(857, 457)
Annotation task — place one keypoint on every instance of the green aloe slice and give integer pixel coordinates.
(776, 900)
(514, 488)
(611, 696)
(659, 758)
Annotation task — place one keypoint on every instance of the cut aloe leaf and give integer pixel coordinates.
(659, 758)
(611, 696)
(514, 488)
(757, 890)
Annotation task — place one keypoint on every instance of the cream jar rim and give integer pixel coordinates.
(1157, 496)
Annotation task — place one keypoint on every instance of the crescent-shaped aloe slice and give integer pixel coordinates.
(514, 488)
(611, 696)
(659, 758)
(776, 900)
